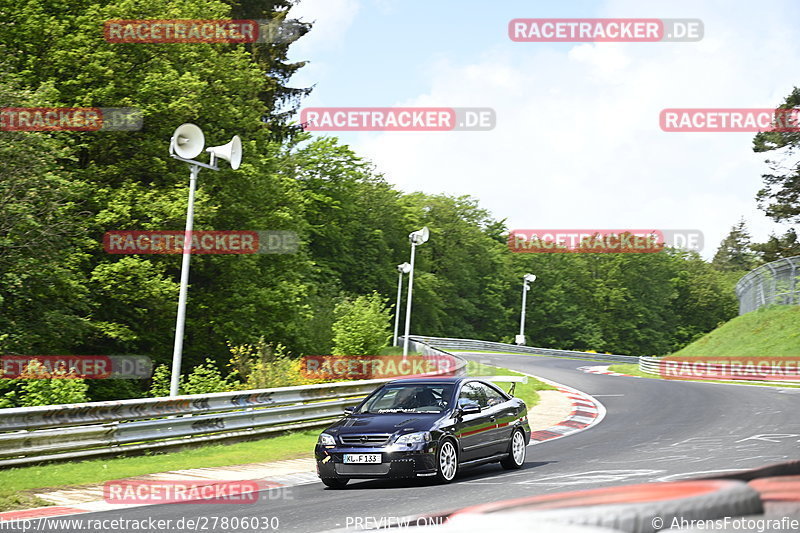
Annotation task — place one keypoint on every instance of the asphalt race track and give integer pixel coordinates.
(653, 431)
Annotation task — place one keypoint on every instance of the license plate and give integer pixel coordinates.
(362, 458)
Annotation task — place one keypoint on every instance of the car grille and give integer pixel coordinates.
(374, 439)
(364, 470)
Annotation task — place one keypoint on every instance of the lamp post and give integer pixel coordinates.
(526, 280)
(187, 143)
(403, 268)
(416, 237)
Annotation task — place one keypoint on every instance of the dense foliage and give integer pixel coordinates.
(59, 192)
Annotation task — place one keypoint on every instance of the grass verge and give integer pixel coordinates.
(20, 483)
(631, 369)
(527, 392)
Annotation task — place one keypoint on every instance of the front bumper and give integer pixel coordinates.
(418, 461)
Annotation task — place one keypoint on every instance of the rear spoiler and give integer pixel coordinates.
(507, 379)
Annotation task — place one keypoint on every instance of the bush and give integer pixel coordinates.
(204, 379)
(362, 325)
(159, 386)
(39, 386)
(262, 366)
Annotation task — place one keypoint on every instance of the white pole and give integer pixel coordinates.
(397, 306)
(408, 300)
(522, 315)
(177, 351)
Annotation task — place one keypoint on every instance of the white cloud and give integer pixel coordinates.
(578, 143)
(330, 18)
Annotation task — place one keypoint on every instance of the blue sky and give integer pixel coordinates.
(577, 142)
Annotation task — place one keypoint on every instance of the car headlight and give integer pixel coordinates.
(326, 440)
(414, 438)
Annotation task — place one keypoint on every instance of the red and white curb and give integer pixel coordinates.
(604, 370)
(586, 412)
(265, 485)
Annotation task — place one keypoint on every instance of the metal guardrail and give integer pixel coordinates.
(772, 283)
(55, 432)
(650, 365)
(446, 343)
(655, 366)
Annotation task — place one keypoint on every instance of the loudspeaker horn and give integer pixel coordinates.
(231, 152)
(187, 141)
(420, 236)
(426, 233)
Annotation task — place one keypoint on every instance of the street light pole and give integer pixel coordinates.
(526, 279)
(177, 349)
(187, 143)
(403, 268)
(416, 237)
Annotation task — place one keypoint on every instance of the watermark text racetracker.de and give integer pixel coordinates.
(749, 120)
(602, 240)
(192, 31)
(147, 492)
(730, 368)
(75, 366)
(398, 118)
(201, 242)
(605, 30)
(70, 119)
(357, 367)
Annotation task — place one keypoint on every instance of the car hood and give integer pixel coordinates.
(384, 423)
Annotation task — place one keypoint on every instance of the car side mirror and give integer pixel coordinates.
(349, 411)
(470, 408)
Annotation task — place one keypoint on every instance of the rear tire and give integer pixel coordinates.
(334, 483)
(446, 461)
(516, 452)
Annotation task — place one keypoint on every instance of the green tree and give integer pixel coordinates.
(125, 180)
(780, 196)
(43, 298)
(463, 273)
(734, 252)
(778, 247)
(362, 325)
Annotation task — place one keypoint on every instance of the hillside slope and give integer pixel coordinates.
(766, 332)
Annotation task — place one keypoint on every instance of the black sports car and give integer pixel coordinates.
(424, 427)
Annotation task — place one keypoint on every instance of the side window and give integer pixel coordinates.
(470, 394)
(488, 396)
(492, 395)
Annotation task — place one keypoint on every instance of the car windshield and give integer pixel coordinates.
(409, 398)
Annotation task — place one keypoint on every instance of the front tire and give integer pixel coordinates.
(334, 483)
(516, 452)
(446, 462)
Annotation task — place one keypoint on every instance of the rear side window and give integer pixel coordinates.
(492, 396)
(483, 395)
